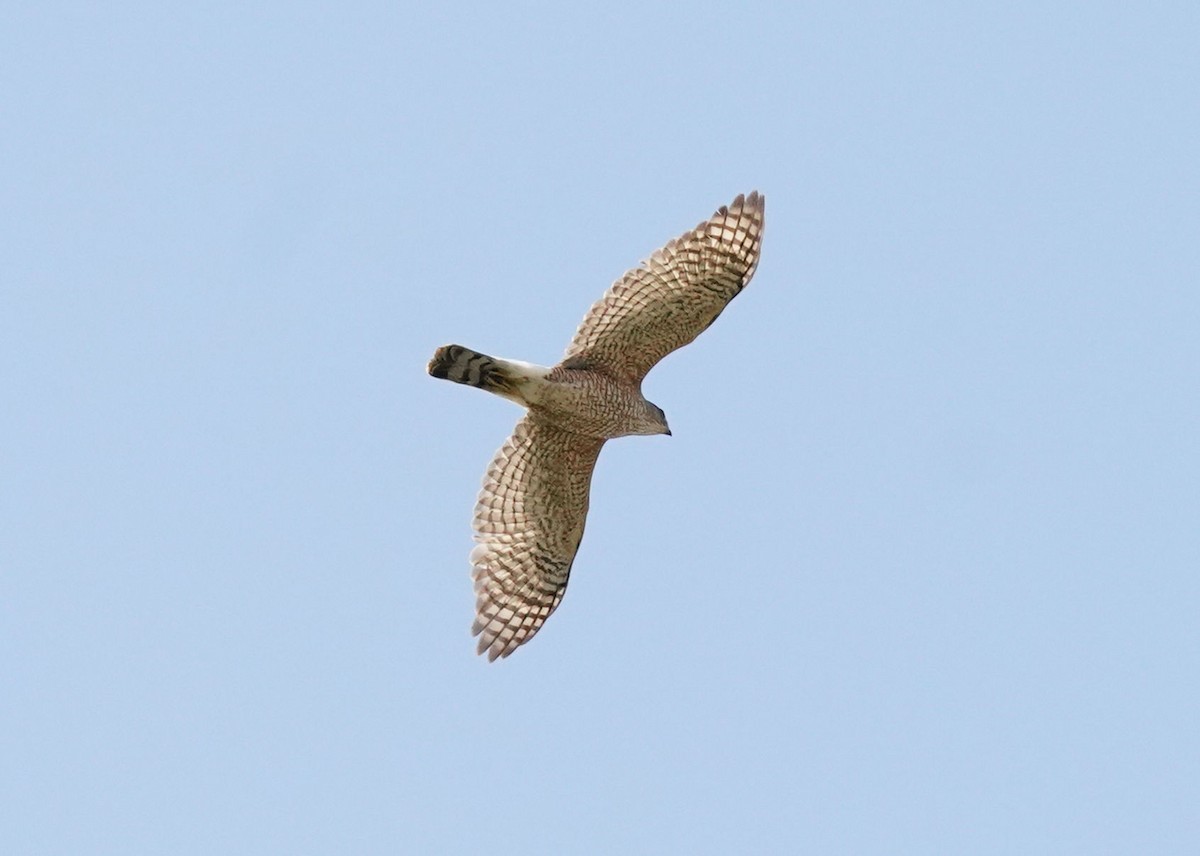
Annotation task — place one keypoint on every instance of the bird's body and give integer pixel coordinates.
(580, 400)
(530, 515)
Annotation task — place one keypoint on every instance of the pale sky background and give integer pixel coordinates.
(916, 574)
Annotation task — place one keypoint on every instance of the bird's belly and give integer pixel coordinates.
(593, 408)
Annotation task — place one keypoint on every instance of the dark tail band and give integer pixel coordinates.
(462, 365)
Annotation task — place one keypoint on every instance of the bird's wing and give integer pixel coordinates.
(674, 295)
(528, 524)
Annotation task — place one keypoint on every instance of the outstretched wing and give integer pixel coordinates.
(674, 295)
(528, 523)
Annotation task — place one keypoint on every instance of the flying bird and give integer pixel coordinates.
(530, 515)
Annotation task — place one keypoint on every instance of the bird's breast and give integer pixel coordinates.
(590, 403)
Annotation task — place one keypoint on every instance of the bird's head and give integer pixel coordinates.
(654, 421)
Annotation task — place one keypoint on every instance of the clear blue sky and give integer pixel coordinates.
(917, 572)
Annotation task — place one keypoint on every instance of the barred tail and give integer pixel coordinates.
(462, 365)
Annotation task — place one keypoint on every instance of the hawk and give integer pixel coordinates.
(530, 515)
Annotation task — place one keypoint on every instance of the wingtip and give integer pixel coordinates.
(489, 643)
(752, 201)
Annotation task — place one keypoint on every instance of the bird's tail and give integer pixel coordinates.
(462, 365)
